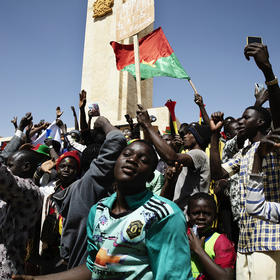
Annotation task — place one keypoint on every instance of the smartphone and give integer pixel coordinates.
(251, 39)
(94, 109)
(93, 106)
(258, 87)
(194, 229)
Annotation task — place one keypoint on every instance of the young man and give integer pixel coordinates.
(75, 201)
(67, 167)
(259, 241)
(20, 208)
(135, 237)
(230, 128)
(195, 175)
(228, 196)
(131, 235)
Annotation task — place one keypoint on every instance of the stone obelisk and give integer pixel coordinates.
(114, 91)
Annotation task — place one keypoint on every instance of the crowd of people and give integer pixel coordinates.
(105, 203)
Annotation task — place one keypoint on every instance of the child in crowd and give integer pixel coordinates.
(213, 255)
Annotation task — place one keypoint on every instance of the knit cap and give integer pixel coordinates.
(202, 134)
(73, 154)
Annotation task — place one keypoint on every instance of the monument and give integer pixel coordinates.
(114, 91)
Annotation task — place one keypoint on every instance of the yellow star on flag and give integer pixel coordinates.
(151, 63)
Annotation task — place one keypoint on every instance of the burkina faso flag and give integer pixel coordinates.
(156, 57)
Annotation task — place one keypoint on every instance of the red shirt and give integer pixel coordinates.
(225, 255)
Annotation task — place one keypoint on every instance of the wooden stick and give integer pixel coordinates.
(192, 85)
(137, 68)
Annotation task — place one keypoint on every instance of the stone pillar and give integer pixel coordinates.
(114, 91)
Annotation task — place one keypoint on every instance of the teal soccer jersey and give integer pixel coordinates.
(150, 242)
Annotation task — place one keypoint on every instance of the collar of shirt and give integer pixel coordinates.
(133, 201)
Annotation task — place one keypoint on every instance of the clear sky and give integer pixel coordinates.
(41, 53)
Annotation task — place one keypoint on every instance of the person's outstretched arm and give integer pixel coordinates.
(75, 118)
(256, 205)
(216, 123)
(199, 101)
(260, 53)
(14, 122)
(170, 180)
(82, 104)
(211, 269)
(163, 149)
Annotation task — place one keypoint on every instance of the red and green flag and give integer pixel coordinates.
(157, 58)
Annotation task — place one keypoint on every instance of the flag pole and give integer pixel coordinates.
(137, 68)
(196, 93)
(193, 87)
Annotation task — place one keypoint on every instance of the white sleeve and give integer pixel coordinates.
(256, 205)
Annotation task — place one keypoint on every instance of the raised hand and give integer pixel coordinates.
(269, 143)
(128, 119)
(83, 99)
(61, 125)
(93, 110)
(14, 122)
(260, 53)
(177, 143)
(28, 131)
(216, 121)
(172, 172)
(142, 115)
(198, 100)
(47, 166)
(261, 96)
(58, 112)
(196, 243)
(25, 121)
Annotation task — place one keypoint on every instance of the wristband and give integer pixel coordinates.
(273, 82)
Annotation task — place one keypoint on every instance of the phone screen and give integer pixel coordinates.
(254, 40)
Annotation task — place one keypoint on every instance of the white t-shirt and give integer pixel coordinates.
(191, 180)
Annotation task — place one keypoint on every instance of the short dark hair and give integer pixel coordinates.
(183, 130)
(204, 196)
(264, 115)
(201, 133)
(228, 123)
(34, 158)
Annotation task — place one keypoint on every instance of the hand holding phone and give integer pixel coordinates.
(93, 110)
